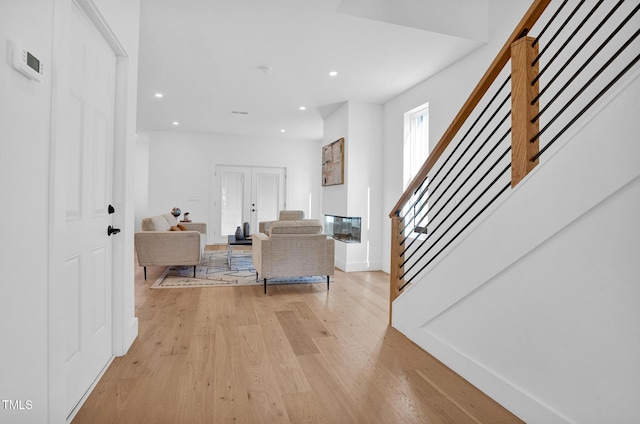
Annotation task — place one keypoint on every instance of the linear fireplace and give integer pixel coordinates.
(343, 228)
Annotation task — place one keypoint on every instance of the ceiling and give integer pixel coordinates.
(206, 58)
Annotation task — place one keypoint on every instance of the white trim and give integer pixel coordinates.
(340, 264)
(362, 266)
(89, 7)
(519, 402)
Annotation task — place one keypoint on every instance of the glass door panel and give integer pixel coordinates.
(234, 198)
(268, 188)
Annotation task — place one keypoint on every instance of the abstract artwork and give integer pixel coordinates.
(333, 163)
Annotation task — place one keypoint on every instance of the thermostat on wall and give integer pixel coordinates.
(26, 62)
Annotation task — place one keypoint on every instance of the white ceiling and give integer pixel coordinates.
(205, 57)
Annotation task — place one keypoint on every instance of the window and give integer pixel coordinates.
(416, 151)
(416, 142)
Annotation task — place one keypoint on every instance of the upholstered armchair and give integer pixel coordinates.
(283, 216)
(157, 244)
(293, 249)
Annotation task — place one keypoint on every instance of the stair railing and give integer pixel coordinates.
(588, 48)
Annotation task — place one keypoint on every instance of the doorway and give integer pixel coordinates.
(247, 194)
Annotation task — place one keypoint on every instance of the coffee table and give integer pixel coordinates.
(232, 241)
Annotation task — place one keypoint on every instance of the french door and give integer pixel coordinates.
(248, 194)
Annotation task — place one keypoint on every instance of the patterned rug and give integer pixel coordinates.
(214, 271)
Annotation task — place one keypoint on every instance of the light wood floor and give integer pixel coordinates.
(299, 354)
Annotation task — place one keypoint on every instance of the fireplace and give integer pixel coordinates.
(343, 228)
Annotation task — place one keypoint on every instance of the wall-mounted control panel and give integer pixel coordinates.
(27, 63)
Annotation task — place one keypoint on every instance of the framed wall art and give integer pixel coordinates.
(333, 163)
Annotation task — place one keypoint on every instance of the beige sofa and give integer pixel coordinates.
(156, 244)
(263, 226)
(293, 249)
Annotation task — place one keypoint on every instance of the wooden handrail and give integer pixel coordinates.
(533, 14)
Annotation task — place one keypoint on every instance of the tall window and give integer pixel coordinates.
(416, 141)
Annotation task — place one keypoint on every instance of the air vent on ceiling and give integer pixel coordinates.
(239, 112)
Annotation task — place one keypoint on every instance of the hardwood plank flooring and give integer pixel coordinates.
(300, 354)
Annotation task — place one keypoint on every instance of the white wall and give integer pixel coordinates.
(361, 194)
(334, 198)
(31, 174)
(544, 315)
(141, 179)
(445, 92)
(24, 170)
(364, 183)
(181, 169)
(335, 127)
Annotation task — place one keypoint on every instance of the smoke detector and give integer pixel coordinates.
(265, 69)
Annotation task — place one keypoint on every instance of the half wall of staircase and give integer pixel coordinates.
(539, 305)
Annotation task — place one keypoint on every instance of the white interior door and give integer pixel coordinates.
(248, 194)
(89, 188)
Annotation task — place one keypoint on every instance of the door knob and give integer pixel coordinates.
(111, 230)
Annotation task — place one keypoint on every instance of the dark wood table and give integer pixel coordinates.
(232, 241)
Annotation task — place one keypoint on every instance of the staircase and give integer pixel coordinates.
(523, 274)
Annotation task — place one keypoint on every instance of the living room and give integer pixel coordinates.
(171, 165)
(374, 163)
(374, 131)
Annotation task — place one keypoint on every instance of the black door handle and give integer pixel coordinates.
(111, 230)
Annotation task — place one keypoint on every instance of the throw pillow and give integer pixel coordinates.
(174, 228)
(182, 227)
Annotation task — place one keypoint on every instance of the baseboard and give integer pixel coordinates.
(130, 335)
(493, 385)
(362, 266)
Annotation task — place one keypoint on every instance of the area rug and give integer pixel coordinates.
(214, 271)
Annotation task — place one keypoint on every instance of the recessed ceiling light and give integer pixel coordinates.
(159, 95)
(176, 123)
(283, 130)
(303, 108)
(333, 73)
